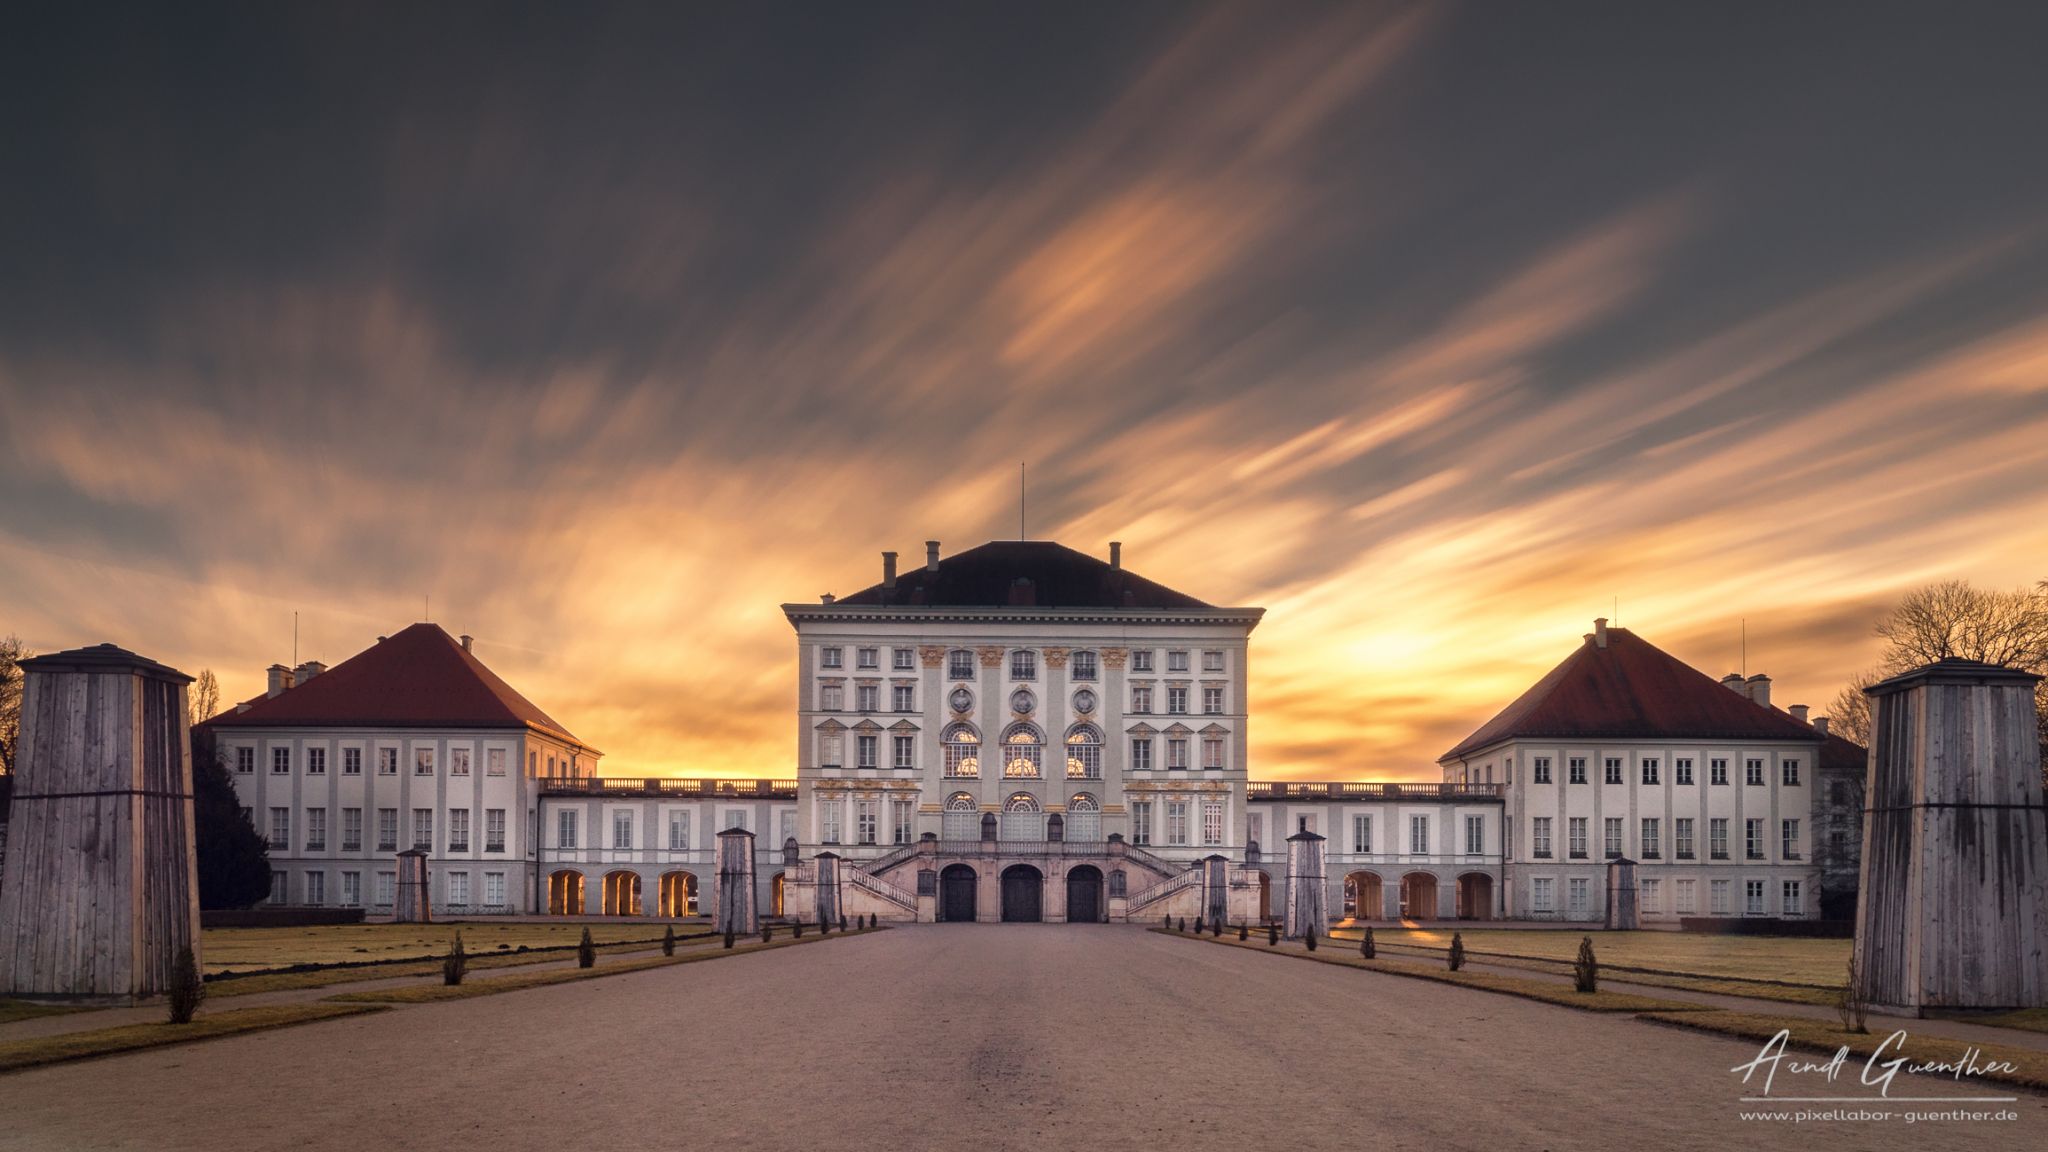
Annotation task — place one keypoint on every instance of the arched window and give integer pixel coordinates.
(960, 820)
(1023, 749)
(960, 802)
(1083, 802)
(963, 752)
(1021, 802)
(1084, 753)
(1022, 818)
(1084, 818)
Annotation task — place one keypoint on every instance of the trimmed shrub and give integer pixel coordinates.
(1457, 956)
(1310, 939)
(1244, 931)
(456, 964)
(1183, 924)
(586, 950)
(728, 937)
(668, 941)
(767, 932)
(842, 921)
(187, 989)
(1366, 947)
(1216, 926)
(872, 922)
(1166, 922)
(1272, 934)
(796, 930)
(1586, 969)
(1199, 926)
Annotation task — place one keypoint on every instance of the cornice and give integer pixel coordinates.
(904, 613)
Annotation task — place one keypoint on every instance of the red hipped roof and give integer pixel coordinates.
(1630, 690)
(418, 678)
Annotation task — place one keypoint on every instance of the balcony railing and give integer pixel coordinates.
(1301, 790)
(667, 786)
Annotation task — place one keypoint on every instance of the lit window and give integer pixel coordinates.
(1084, 754)
(1022, 750)
(963, 752)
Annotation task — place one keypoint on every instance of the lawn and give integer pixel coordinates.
(1813, 962)
(251, 949)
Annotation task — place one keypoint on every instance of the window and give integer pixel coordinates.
(494, 889)
(679, 831)
(458, 761)
(494, 761)
(902, 749)
(1789, 773)
(1539, 837)
(351, 829)
(960, 664)
(1141, 698)
(831, 657)
(1177, 661)
(622, 829)
(1212, 660)
(1685, 897)
(1681, 835)
(902, 698)
(1753, 897)
(280, 829)
(458, 889)
(1141, 753)
(458, 829)
(1755, 772)
(1612, 828)
(423, 828)
(867, 821)
(1475, 835)
(1543, 894)
(533, 763)
(1717, 838)
(831, 749)
(1361, 835)
(1717, 771)
(1650, 770)
(867, 658)
(1176, 752)
(1141, 822)
(1614, 769)
(903, 659)
(1788, 839)
(387, 829)
(1653, 838)
(736, 818)
(280, 761)
(831, 697)
(1022, 752)
(423, 761)
(864, 749)
(278, 881)
(901, 818)
(1717, 896)
(1542, 769)
(1212, 824)
(1791, 905)
(1141, 659)
(1212, 752)
(316, 829)
(1753, 839)
(867, 698)
(316, 888)
(565, 829)
(1212, 700)
(245, 760)
(1023, 664)
(962, 752)
(351, 889)
(1084, 754)
(494, 829)
(1577, 764)
(1581, 893)
(316, 761)
(1418, 835)
(1681, 770)
(1575, 828)
(1084, 665)
(1651, 899)
(1177, 820)
(828, 820)
(1176, 700)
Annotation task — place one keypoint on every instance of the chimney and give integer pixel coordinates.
(1760, 689)
(1798, 712)
(280, 679)
(826, 598)
(931, 555)
(307, 671)
(1733, 683)
(1116, 553)
(465, 641)
(1820, 725)
(888, 569)
(1599, 631)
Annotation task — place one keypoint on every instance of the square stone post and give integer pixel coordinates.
(101, 886)
(1307, 902)
(1953, 911)
(734, 896)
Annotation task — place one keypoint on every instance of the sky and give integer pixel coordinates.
(598, 332)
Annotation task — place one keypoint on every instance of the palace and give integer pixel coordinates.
(1022, 731)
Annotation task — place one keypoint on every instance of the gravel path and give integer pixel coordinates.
(955, 1037)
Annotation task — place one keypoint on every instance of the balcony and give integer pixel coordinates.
(1299, 790)
(669, 786)
(458, 845)
(387, 845)
(316, 845)
(351, 845)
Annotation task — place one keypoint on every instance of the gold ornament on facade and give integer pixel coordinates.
(931, 656)
(991, 655)
(1056, 657)
(1115, 657)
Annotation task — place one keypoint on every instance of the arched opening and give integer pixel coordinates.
(1084, 895)
(1084, 819)
(1023, 889)
(1475, 896)
(1265, 897)
(677, 895)
(957, 886)
(1084, 753)
(775, 895)
(565, 893)
(962, 749)
(1418, 896)
(1023, 752)
(1363, 896)
(622, 893)
(959, 821)
(1022, 818)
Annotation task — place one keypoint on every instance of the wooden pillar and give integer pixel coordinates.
(101, 884)
(734, 899)
(828, 904)
(1621, 895)
(415, 900)
(1954, 905)
(1306, 900)
(1215, 887)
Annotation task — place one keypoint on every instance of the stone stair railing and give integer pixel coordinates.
(888, 890)
(1139, 901)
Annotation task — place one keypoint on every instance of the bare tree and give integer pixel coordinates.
(12, 652)
(1849, 715)
(205, 698)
